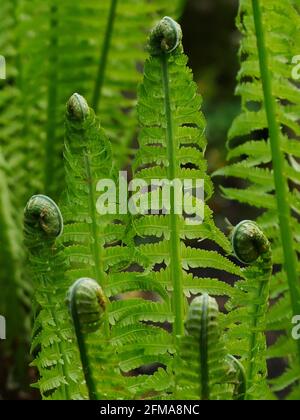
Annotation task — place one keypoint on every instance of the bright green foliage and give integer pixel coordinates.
(60, 35)
(172, 144)
(134, 330)
(93, 241)
(171, 139)
(99, 246)
(250, 154)
(87, 305)
(52, 49)
(53, 341)
(246, 321)
(203, 372)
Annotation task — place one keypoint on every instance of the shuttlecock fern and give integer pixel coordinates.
(263, 150)
(246, 321)
(53, 342)
(87, 305)
(172, 144)
(95, 242)
(204, 370)
(93, 48)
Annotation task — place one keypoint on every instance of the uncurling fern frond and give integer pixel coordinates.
(263, 146)
(203, 371)
(53, 343)
(87, 305)
(245, 323)
(172, 144)
(95, 243)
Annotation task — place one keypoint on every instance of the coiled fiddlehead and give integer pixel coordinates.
(77, 108)
(165, 37)
(252, 247)
(43, 221)
(87, 305)
(53, 343)
(203, 367)
(249, 242)
(237, 376)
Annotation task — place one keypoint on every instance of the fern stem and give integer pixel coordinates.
(176, 270)
(281, 188)
(96, 250)
(258, 317)
(104, 56)
(52, 101)
(59, 347)
(87, 369)
(204, 351)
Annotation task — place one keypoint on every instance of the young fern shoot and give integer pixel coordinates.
(252, 247)
(172, 145)
(263, 148)
(205, 371)
(53, 343)
(87, 305)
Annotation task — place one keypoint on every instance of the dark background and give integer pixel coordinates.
(211, 42)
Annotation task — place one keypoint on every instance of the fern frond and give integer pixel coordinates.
(266, 135)
(246, 321)
(203, 373)
(53, 344)
(172, 144)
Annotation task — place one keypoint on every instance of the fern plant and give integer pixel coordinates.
(263, 148)
(78, 44)
(245, 323)
(53, 341)
(204, 371)
(112, 286)
(172, 144)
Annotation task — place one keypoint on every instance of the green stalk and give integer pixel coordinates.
(51, 110)
(204, 351)
(104, 56)
(87, 369)
(281, 187)
(175, 266)
(96, 249)
(258, 316)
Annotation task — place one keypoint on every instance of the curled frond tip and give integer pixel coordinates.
(249, 242)
(77, 108)
(87, 304)
(165, 37)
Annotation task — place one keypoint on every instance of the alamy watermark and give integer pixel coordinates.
(296, 68)
(2, 67)
(296, 329)
(157, 196)
(2, 328)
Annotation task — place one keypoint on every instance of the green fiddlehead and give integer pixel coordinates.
(43, 221)
(252, 247)
(87, 305)
(165, 37)
(237, 376)
(203, 368)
